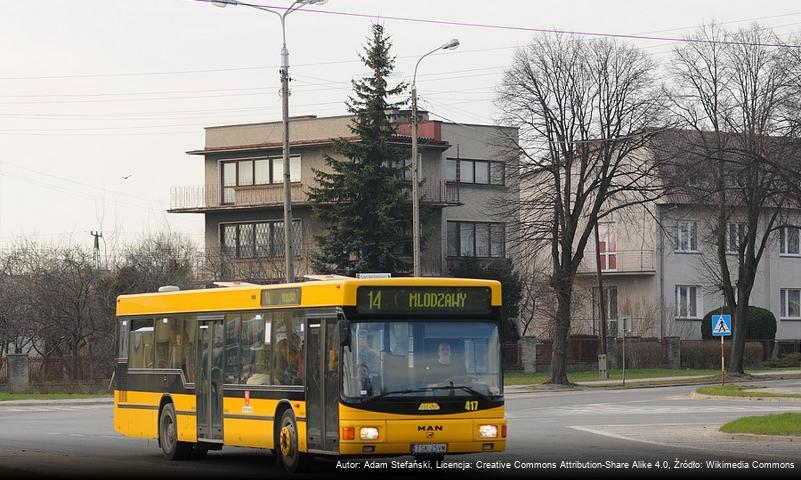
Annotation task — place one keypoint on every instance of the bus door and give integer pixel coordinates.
(209, 387)
(322, 382)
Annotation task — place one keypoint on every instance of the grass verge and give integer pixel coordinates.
(5, 397)
(742, 391)
(780, 424)
(522, 378)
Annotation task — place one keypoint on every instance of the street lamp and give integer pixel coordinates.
(451, 45)
(284, 72)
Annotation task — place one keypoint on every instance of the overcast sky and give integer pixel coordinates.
(100, 99)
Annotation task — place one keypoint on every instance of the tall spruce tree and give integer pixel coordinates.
(362, 198)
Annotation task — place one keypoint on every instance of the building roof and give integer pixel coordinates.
(430, 142)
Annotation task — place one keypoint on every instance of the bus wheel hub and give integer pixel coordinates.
(286, 441)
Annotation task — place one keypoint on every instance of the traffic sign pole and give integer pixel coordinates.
(722, 364)
(721, 327)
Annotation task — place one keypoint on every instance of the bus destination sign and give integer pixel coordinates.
(423, 300)
(275, 297)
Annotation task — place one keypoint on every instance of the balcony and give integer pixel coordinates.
(622, 262)
(203, 198)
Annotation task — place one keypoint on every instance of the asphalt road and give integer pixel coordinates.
(637, 431)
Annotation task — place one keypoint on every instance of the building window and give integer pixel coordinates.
(256, 171)
(258, 239)
(789, 241)
(685, 237)
(687, 301)
(790, 303)
(479, 172)
(610, 302)
(607, 246)
(476, 239)
(735, 235)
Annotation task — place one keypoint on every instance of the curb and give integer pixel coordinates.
(753, 437)
(703, 396)
(66, 401)
(542, 388)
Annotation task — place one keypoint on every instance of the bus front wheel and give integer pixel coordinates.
(291, 458)
(168, 436)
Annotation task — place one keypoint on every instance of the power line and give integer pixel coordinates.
(519, 28)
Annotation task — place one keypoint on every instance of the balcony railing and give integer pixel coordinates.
(206, 197)
(439, 193)
(623, 261)
(200, 197)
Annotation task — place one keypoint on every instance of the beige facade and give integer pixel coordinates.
(656, 264)
(256, 196)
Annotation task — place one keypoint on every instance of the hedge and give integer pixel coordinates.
(705, 354)
(761, 323)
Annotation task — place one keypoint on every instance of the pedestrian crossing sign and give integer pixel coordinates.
(721, 325)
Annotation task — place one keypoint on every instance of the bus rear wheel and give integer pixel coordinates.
(287, 446)
(168, 436)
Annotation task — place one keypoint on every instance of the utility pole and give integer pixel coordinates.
(416, 268)
(603, 372)
(284, 72)
(290, 269)
(96, 251)
(415, 194)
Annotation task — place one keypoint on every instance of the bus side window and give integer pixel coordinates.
(233, 362)
(188, 354)
(255, 353)
(141, 344)
(169, 343)
(122, 352)
(288, 341)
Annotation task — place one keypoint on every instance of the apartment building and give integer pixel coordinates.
(656, 261)
(462, 171)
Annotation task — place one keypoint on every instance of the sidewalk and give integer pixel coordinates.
(667, 380)
(67, 401)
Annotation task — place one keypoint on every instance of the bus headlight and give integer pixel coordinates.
(487, 431)
(368, 433)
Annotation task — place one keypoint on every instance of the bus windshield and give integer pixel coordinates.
(422, 358)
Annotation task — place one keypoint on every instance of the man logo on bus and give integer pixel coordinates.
(429, 428)
(428, 406)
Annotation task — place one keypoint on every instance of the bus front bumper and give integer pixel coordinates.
(405, 437)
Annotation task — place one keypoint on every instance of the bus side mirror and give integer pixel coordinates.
(344, 332)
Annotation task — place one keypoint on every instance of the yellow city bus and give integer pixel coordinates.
(345, 367)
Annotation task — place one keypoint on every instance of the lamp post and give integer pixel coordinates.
(451, 45)
(284, 72)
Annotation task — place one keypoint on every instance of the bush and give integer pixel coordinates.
(641, 355)
(705, 354)
(787, 361)
(761, 323)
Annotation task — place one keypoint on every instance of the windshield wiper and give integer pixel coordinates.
(467, 389)
(400, 392)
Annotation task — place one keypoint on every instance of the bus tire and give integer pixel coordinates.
(171, 448)
(287, 445)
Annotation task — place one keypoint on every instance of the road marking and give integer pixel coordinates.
(618, 437)
(728, 446)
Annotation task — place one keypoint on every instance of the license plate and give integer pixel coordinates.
(429, 448)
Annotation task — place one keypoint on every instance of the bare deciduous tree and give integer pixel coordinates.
(584, 108)
(731, 91)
